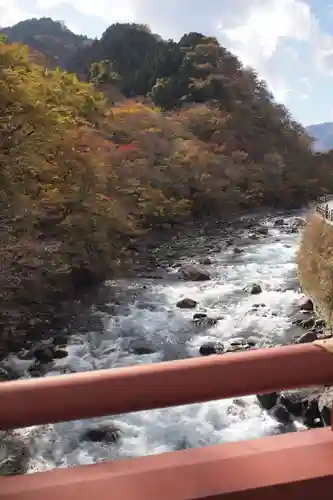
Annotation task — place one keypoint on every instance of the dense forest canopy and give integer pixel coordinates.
(139, 132)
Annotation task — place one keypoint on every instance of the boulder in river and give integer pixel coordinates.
(102, 434)
(187, 303)
(14, 454)
(279, 222)
(253, 289)
(206, 261)
(307, 337)
(193, 272)
(204, 320)
(288, 405)
(43, 354)
(210, 348)
(268, 401)
(325, 405)
(306, 304)
(197, 316)
(308, 323)
(296, 224)
(281, 414)
(238, 251)
(263, 230)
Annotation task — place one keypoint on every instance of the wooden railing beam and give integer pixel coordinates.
(296, 466)
(143, 387)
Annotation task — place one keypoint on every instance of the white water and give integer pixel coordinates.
(153, 320)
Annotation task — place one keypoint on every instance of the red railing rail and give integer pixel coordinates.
(297, 465)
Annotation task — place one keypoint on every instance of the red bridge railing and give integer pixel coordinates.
(296, 466)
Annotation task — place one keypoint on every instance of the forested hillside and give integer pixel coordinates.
(195, 134)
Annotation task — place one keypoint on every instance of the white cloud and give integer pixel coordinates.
(107, 10)
(256, 39)
(11, 13)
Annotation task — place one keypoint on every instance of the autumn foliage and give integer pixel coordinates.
(81, 177)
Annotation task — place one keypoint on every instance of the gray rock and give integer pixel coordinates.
(279, 222)
(187, 303)
(211, 348)
(44, 354)
(281, 414)
(254, 289)
(102, 434)
(309, 336)
(238, 251)
(194, 273)
(206, 261)
(141, 350)
(14, 455)
(197, 316)
(60, 353)
(263, 230)
(253, 341)
(306, 305)
(268, 401)
(308, 323)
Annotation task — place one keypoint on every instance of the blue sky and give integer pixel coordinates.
(289, 42)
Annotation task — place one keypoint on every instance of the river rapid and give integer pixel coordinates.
(144, 326)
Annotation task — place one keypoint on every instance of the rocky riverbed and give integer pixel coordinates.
(218, 289)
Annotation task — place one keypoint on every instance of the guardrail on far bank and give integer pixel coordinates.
(322, 207)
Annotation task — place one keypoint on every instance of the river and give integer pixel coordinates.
(145, 326)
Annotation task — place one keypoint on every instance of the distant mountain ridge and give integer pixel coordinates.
(322, 134)
(46, 36)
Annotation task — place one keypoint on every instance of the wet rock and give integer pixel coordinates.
(237, 342)
(325, 405)
(326, 415)
(206, 261)
(102, 434)
(249, 224)
(320, 323)
(281, 414)
(297, 224)
(205, 322)
(141, 347)
(7, 373)
(254, 236)
(306, 305)
(60, 340)
(308, 323)
(187, 303)
(254, 289)
(253, 341)
(238, 251)
(312, 417)
(309, 336)
(268, 401)
(194, 273)
(279, 222)
(262, 230)
(60, 353)
(294, 401)
(14, 455)
(210, 348)
(197, 316)
(44, 354)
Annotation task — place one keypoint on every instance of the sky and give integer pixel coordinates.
(288, 42)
